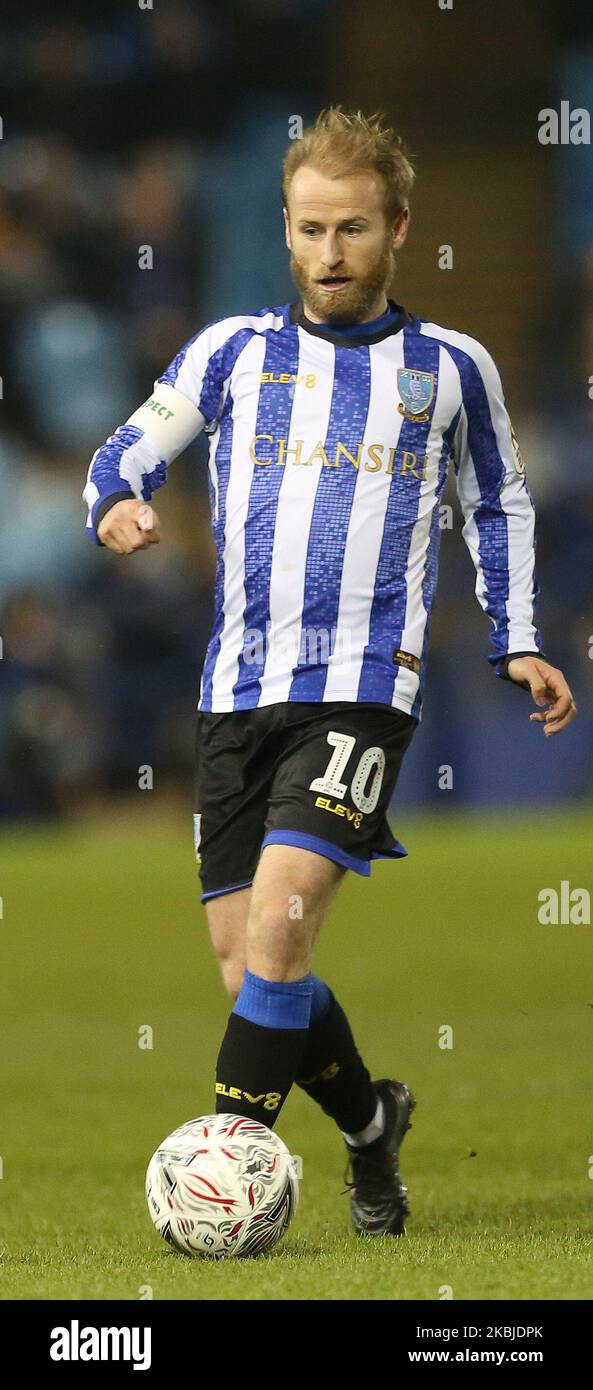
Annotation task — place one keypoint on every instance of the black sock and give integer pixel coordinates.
(333, 1073)
(256, 1068)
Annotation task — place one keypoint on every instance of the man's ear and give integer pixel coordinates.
(287, 229)
(401, 227)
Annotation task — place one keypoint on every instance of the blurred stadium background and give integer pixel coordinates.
(124, 127)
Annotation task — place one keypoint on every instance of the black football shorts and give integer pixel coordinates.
(319, 776)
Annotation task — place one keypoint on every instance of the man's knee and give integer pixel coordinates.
(288, 917)
(290, 896)
(277, 943)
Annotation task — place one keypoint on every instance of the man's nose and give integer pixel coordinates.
(332, 253)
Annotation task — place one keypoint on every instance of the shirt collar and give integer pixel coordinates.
(392, 321)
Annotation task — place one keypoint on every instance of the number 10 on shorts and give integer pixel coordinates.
(331, 785)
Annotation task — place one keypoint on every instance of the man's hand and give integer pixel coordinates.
(548, 687)
(129, 526)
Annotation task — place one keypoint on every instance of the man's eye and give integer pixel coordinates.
(314, 231)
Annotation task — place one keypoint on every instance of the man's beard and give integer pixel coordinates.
(353, 303)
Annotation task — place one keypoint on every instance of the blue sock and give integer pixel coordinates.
(276, 1003)
(321, 1001)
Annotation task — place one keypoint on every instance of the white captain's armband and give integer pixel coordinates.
(170, 419)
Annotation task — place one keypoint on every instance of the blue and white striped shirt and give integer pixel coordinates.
(328, 459)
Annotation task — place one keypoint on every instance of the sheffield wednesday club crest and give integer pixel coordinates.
(416, 390)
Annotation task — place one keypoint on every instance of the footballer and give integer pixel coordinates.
(332, 422)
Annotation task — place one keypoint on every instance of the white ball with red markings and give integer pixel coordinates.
(222, 1185)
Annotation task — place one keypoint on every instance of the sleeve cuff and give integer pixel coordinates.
(104, 505)
(503, 669)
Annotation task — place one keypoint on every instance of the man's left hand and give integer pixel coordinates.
(548, 687)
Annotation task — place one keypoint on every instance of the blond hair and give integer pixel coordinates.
(344, 142)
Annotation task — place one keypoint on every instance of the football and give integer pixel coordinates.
(222, 1185)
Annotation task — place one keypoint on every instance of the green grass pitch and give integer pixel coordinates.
(102, 933)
